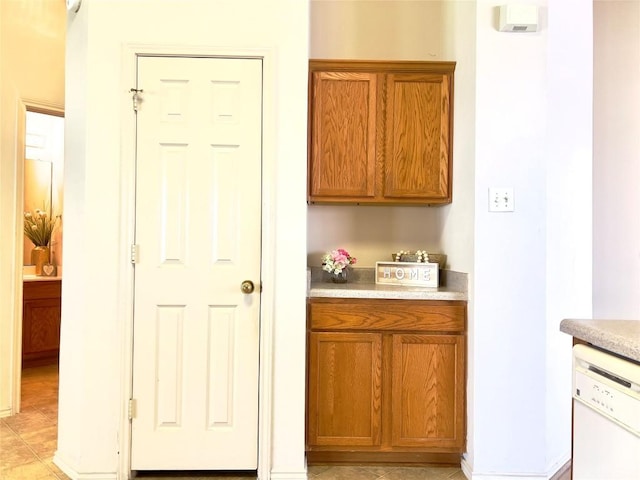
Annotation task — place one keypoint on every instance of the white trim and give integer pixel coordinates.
(267, 306)
(5, 412)
(23, 105)
(73, 475)
(466, 467)
(289, 476)
(18, 253)
(559, 468)
(41, 106)
(125, 273)
(130, 53)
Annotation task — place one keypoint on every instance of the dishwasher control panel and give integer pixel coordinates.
(608, 384)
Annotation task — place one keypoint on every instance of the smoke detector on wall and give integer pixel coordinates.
(518, 18)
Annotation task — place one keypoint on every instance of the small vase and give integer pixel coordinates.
(39, 256)
(339, 277)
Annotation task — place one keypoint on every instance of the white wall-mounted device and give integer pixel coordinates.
(518, 18)
(73, 5)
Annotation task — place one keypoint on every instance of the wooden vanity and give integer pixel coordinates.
(40, 322)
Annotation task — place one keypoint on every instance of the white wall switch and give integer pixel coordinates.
(501, 199)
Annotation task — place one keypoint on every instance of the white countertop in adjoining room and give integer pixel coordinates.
(29, 274)
(618, 336)
(39, 278)
(453, 286)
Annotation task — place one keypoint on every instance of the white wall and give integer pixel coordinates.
(33, 74)
(98, 209)
(532, 266)
(377, 30)
(616, 175)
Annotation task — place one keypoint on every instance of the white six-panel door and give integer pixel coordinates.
(198, 232)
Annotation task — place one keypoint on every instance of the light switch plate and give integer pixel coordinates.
(501, 199)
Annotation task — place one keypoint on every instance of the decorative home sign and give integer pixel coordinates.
(415, 274)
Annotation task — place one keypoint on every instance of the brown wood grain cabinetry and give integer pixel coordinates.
(380, 132)
(41, 322)
(386, 380)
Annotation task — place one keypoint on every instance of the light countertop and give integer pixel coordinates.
(618, 336)
(361, 284)
(39, 278)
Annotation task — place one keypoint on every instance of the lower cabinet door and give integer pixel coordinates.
(40, 331)
(427, 391)
(345, 389)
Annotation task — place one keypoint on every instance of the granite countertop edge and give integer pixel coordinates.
(453, 286)
(621, 337)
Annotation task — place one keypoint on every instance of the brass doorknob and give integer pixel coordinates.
(247, 286)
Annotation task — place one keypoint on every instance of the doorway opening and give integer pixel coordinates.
(40, 204)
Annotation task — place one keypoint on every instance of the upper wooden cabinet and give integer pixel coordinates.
(380, 132)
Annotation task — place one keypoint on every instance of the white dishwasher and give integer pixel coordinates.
(606, 416)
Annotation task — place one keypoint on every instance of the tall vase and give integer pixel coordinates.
(39, 256)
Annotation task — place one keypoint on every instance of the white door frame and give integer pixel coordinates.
(130, 54)
(24, 105)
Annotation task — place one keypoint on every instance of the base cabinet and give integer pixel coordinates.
(386, 380)
(426, 391)
(41, 323)
(346, 393)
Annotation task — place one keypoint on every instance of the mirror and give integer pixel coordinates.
(43, 174)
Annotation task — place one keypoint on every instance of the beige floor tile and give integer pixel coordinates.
(25, 422)
(379, 470)
(29, 471)
(458, 476)
(15, 453)
(313, 470)
(43, 441)
(347, 473)
(5, 431)
(54, 468)
(421, 473)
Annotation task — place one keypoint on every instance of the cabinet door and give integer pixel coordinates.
(40, 331)
(343, 135)
(428, 391)
(345, 388)
(418, 138)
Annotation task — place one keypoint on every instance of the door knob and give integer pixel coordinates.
(247, 286)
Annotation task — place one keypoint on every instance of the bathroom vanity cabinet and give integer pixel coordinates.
(41, 322)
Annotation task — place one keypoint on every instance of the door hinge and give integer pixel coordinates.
(135, 254)
(132, 408)
(136, 98)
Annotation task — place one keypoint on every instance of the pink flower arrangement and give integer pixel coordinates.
(337, 260)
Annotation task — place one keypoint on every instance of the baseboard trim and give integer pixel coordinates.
(288, 475)
(382, 458)
(75, 475)
(566, 468)
(467, 470)
(5, 412)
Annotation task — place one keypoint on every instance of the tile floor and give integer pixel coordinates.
(28, 442)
